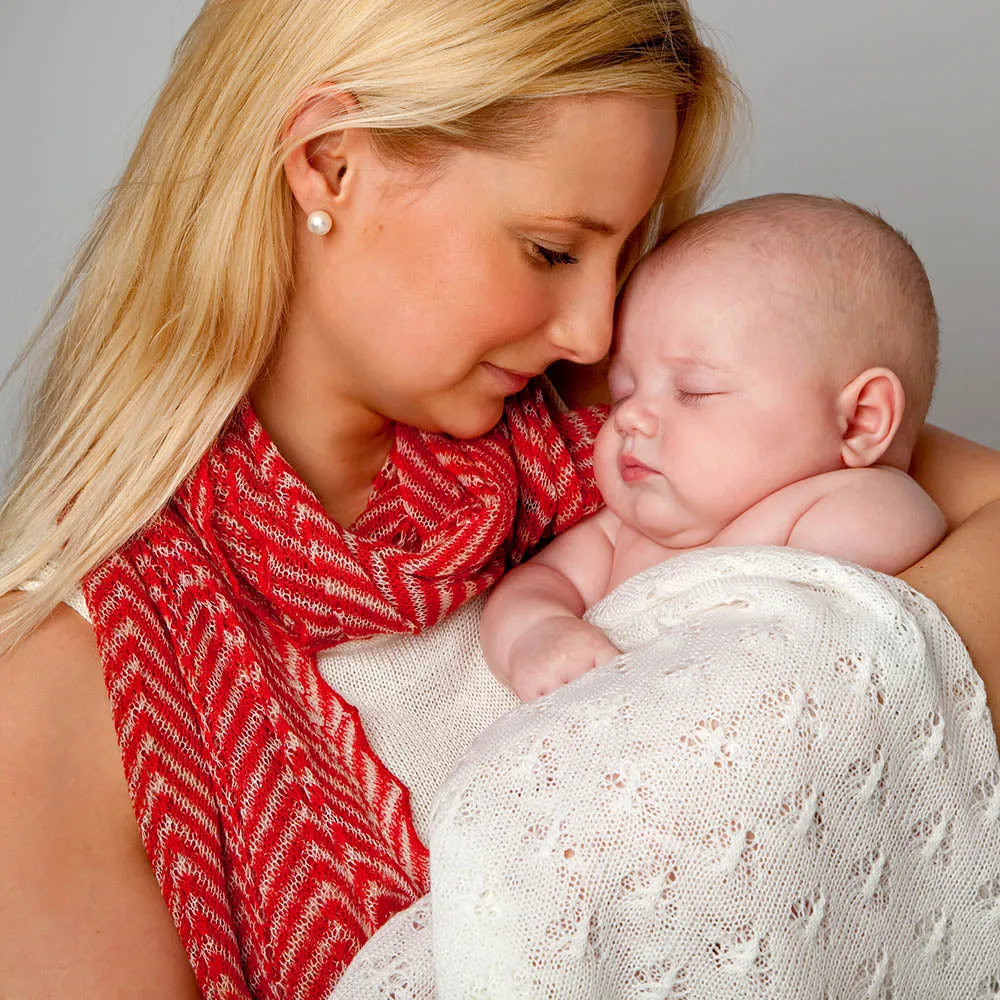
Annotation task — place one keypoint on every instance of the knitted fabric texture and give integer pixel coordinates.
(279, 839)
(787, 788)
(422, 699)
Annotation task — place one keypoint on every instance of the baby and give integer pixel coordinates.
(774, 362)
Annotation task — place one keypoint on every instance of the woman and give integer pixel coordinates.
(368, 219)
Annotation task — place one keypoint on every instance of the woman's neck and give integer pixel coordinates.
(335, 445)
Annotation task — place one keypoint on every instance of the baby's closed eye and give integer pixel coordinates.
(685, 396)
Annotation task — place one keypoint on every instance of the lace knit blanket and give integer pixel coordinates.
(787, 787)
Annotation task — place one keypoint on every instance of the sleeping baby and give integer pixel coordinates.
(769, 794)
(774, 362)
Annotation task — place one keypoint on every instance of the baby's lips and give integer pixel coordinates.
(632, 470)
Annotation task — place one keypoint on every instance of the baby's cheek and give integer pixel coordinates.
(744, 482)
(605, 463)
(720, 484)
(707, 469)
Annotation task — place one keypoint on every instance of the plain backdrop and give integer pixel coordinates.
(890, 103)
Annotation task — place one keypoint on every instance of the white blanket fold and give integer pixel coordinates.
(787, 787)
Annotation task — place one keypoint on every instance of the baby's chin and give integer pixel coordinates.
(688, 538)
(670, 533)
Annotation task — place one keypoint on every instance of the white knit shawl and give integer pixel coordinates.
(788, 787)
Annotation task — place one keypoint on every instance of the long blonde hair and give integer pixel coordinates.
(173, 305)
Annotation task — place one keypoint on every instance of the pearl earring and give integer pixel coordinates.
(319, 223)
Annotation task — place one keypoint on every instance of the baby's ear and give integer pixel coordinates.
(869, 410)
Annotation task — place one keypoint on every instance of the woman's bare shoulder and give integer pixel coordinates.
(82, 914)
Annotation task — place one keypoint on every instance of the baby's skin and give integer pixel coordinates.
(729, 426)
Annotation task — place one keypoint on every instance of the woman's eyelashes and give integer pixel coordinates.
(546, 255)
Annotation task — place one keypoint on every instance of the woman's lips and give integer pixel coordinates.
(511, 382)
(632, 470)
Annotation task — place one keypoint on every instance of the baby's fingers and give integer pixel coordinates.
(605, 653)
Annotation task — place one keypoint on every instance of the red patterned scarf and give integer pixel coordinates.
(280, 841)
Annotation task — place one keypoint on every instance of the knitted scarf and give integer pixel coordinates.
(279, 840)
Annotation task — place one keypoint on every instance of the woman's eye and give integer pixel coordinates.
(551, 257)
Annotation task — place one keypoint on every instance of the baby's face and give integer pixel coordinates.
(718, 398)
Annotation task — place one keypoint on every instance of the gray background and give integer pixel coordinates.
(890, 103)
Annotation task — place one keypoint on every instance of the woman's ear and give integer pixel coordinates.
(869, 410)
(319, 168)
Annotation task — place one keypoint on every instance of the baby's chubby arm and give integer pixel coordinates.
(877, 517)
(532, 632)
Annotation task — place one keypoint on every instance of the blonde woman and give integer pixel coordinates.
(292, 402)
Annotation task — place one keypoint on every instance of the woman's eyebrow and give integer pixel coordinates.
(584, 222)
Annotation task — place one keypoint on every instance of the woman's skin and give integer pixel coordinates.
(962, 575)
(425, 281)
(431, 280)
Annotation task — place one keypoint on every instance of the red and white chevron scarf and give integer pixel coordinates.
(280, 841)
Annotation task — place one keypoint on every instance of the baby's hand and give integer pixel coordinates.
(553, 653)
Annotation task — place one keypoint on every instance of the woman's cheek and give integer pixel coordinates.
(519, 302)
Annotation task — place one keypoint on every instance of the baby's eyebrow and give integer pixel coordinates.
(697, 362)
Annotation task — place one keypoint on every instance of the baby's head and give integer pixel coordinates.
(767, 341)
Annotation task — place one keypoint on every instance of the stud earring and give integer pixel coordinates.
(319, 223)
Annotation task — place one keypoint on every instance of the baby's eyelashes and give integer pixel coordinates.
(689, 397)
(686, 397)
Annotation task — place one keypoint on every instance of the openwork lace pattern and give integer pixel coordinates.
(787, 787)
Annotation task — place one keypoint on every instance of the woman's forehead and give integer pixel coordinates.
(597, 164)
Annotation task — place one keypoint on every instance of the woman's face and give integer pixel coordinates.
(438, 293)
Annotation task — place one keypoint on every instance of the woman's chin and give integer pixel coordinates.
(466, 422)
(475, 425)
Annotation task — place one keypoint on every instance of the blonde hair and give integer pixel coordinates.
(176, 298)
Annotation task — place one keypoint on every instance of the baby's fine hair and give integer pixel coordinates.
(869, 281)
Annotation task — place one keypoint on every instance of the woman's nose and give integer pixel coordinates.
(633, 416)
(581, 332)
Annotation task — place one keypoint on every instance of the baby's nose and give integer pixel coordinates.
(631, 416)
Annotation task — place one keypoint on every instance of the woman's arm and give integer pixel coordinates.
(959, 474)
(962, 575)
(80, 912)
